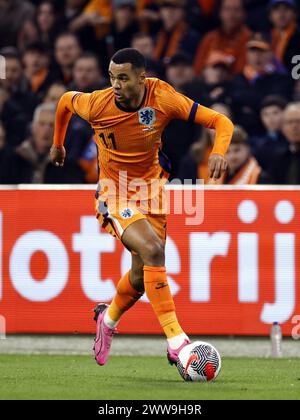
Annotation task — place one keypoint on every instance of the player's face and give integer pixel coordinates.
(127, 83)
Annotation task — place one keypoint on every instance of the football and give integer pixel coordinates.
(199, 362)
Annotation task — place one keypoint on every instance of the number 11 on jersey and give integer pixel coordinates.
(107, 144)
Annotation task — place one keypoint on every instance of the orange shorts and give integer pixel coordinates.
(117, 221)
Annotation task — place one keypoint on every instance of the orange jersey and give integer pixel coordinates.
(129, 141)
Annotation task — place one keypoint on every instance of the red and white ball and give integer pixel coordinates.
(199, 362)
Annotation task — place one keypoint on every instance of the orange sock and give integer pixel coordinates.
(159, 294)
(124, 299)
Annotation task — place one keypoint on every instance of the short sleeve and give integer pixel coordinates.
(175, 104)
(81, 105)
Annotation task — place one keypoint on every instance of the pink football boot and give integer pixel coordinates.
(172, 355)
(104, 335)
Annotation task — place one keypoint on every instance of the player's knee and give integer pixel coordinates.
(154, 253)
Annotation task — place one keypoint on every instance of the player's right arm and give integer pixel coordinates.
(70, 103)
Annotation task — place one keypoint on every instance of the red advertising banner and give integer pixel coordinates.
(235, 273)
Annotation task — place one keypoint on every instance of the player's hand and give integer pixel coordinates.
(57, 155)
(217, 165)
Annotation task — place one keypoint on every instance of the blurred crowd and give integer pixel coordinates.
(237, 57)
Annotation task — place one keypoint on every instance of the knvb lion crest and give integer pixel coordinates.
(126, 213)
(147, 116)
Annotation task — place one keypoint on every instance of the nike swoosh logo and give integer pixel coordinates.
(192, 358)
(161, 286)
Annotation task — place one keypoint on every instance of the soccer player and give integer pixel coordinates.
(128, 119)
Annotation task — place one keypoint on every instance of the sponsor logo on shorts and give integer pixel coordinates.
(126, 213)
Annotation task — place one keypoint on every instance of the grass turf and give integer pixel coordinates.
(78, 377)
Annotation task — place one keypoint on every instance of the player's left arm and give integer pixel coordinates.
(181, 107)
(223, 127)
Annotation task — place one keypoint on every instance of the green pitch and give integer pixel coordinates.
(78, 377)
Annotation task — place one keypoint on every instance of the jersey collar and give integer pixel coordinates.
(122, 108)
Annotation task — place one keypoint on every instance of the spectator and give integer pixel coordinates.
(90, 21)
(30, 162)
(73, 10)
(179, 135)
(94, 13)
(242, 166)
(47, 22)
(148, 15)
(180, 71)
(215, 83)
(202, 15)
(273, 141)
(144, 44)
(12, 15)
(285, 168)
(124, 25)
(17, 85)
(231, 38)
(175, 35)
(167, 33)
(67, 49)
(87, 74)
(285, 33)
(260, 78)
(12, 118)
(27, 35)
(36, 61)
(271, 112)
(194, 164)
(54, 93)
(176, 139)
